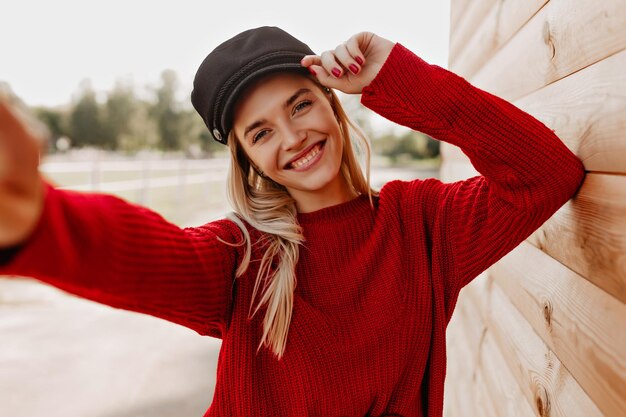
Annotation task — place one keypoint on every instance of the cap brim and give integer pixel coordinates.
(249, 79)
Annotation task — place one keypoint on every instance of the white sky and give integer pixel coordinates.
(48, 47)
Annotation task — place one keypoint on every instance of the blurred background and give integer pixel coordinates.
(112, 82)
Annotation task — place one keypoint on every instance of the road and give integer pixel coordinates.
(61, 356)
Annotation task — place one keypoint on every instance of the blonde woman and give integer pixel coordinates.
(330, 299)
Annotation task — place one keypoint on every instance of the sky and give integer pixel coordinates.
(47, 48)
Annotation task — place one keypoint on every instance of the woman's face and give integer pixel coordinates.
(287, 127)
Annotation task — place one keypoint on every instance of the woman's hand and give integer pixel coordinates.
(21, 188)
(352, 65)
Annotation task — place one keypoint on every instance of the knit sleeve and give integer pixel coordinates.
(105, 249)
(527, 173)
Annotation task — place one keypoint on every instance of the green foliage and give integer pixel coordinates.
(410, 145)
(124, 121)
(399, 148)
(54, 119)
(86, 125)
(165, 111)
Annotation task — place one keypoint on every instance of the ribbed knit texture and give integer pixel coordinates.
(375, 286)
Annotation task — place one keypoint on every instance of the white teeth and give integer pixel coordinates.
(306, 158)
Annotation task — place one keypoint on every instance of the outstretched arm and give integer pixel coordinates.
(102, 248)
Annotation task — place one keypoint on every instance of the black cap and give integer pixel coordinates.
(234, 65)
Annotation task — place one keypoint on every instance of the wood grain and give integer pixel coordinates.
(466, 333)
(457, 10)
(587, 110)
(470, 19)
(564, 37)
(454, 170)
(504, 389)
(461, 387)
(500, 24)
(543, 380)
(578, 321)
(588, 234)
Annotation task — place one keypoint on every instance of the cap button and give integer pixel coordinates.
(217, 134)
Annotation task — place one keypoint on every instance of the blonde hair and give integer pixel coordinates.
(267, 206)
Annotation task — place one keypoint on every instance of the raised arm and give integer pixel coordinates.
(527, 172)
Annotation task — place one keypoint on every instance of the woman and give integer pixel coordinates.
(330, 299)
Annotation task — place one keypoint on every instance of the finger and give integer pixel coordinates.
(345, 59)
(344, 84)
(309, 60)
(323, 76)
(354, 50)
(331, 65)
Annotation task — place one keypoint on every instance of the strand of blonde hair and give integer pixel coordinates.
(267, 207)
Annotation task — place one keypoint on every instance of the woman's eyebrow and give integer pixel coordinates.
(295, 96)
(288, 103)
(253, 126)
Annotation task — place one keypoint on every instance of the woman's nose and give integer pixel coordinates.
(292, 138)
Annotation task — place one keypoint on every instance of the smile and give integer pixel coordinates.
(308, 159)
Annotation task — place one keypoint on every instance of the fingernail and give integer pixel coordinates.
(359, 60)
(336, 72)
(312, 71)
(354, 69)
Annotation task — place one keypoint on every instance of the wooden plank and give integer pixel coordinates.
(457, 9)
(475, 12)
(456, 170)
(564, 37)
(504, 389)
(484, 397)
(502, 22)
(587, 110)
(464, 339)
(471, 323)
(499, 392)
(543, 380)
(588, 234)
(581, 324)
(451, 152)
(460, 384)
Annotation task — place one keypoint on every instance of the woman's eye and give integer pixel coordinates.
(259, 135)
(302, 105)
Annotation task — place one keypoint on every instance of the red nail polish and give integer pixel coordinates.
(354, 69)
(336, 72)
(312, 71)
(359, 60)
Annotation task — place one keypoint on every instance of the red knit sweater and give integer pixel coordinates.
(375, 287)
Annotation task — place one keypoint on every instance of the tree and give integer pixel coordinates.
(141, 132)
(166, 113)
(120, 108)
(86, 127)
(54, 119)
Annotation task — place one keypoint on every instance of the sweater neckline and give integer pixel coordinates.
(339, 211)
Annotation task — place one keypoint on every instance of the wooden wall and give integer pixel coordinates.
(543, 332)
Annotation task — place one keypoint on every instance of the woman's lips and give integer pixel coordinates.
(309, 158)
